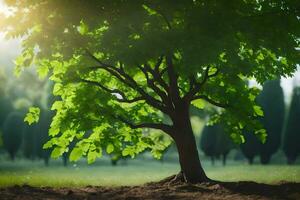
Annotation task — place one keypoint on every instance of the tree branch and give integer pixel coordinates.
(152, 85)
(156, 67)
(123, 98)
(156, 74)
(173, 79)
(149, 99)
(165, 18)
(122, 76)
(164, 127)
(196, 87)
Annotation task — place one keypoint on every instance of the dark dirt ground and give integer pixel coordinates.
(159, 191)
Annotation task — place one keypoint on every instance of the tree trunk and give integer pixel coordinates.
(212, 159)
(265, 159)
(250, 160)
(46, 161)
(291, 160)
(224, 159)
(65, 159)
(187, 149)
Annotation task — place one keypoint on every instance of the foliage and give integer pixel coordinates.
(291, 138)
(118, 65)
(33, 115)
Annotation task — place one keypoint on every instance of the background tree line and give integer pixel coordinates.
(280, 121)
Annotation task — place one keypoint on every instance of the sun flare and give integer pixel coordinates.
(4, 9)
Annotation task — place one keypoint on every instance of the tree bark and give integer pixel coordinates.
(184, 138)
(65, 159)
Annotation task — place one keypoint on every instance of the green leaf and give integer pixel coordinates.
(57, 105)
(83, 28)
(258, 111)
(260, 56)
(109, 148)
(212, 70)
(42, 71)
(53, 131)
(237, 138)
(33, 115)
(157, 154)
(57, 151)
(47, 145)
(149, 10)
(57, 89)
(284, 61)
(92, 155)
(76, 154)
(199, 103)
(262, 135)
(252, 97)
(128, 151)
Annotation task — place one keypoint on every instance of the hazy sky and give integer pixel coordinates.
(10, 49)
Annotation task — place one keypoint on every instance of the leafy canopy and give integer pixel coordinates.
(119, 66)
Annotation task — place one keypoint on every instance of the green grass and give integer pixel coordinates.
(133, 173)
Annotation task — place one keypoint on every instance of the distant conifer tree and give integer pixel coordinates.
(291, 141)
(12, 133)
(271, 100)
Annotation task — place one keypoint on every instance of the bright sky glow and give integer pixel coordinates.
(4, 9)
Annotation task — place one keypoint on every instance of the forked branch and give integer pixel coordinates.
(122, 99)
(126, 79)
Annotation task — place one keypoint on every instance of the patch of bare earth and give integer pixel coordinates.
(159, 191)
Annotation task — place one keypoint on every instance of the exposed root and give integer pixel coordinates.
(180, 179)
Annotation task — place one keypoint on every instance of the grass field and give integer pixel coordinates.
(133, 173)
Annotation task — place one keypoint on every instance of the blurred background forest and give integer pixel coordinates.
(21, 145)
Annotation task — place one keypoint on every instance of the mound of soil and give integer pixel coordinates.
(159, 191)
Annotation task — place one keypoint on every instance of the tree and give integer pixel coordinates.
(42, 136)
(5, 102)
(271, 100)
(291, 138)
(29, 141)
(12, 133)
(224, 145)
(118, 65)
(251, 147)
(215, 142)
(207, 142)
